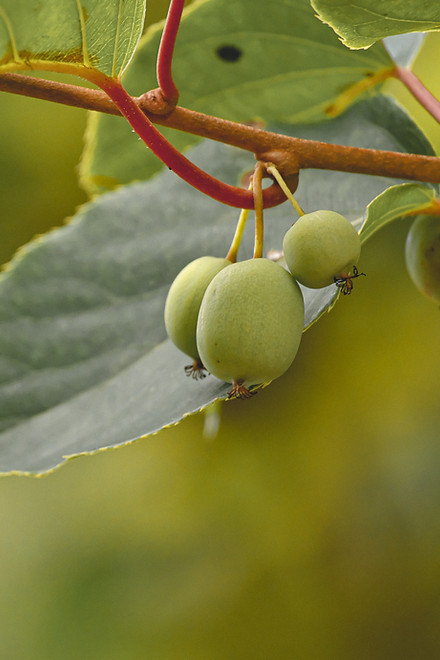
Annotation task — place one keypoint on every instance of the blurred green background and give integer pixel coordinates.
(309, 528)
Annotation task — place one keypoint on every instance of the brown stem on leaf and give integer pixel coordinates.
(289, 154)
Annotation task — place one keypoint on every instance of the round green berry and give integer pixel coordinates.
(183, 301)
(422, 253)
(250, 322)
(320, 247)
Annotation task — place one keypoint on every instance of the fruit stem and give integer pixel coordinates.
(257, 189)
(236, 241)
(165, 53)
(271, 169)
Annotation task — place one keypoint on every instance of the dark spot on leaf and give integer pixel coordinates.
(229, 53)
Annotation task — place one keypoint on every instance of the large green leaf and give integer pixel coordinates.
(70, 35)
(288, 67)
(85, 362)
(360, 24)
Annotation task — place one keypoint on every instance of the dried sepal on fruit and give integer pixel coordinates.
(196, 370)
(345, 284)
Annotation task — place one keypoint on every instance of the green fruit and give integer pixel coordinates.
(250, 322)
(183, 301)
(422, 254)
(320, 247)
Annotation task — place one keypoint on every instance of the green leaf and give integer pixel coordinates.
(360, 24)
(73, 36)
(289, 67)
(397, 201)
(84, 359)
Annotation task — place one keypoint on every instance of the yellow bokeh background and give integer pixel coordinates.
(308, 528)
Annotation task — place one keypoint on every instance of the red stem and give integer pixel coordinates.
(175, 161)
(419, 91)
(165, 52)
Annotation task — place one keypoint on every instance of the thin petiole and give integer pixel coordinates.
(271, 169)
(166, 50)
(241, 224)
(419, 91)
(236, 241)
(257, 188)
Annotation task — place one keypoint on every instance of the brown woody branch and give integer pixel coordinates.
(288, 153)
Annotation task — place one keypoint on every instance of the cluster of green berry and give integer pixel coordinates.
(243, 321)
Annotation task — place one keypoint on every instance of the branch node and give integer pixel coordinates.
(154, 102)
(286, 163)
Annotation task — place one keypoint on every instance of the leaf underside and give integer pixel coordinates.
(84, 359)
(364, 22)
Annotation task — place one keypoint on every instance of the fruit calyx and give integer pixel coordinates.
(196, 370)
(345, 282)
(240, 391)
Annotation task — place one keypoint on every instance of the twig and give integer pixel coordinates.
(289, 154)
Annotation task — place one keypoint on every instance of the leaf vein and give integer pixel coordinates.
(393, 18)
(86, 58)
(117, 34)
(10, 30)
